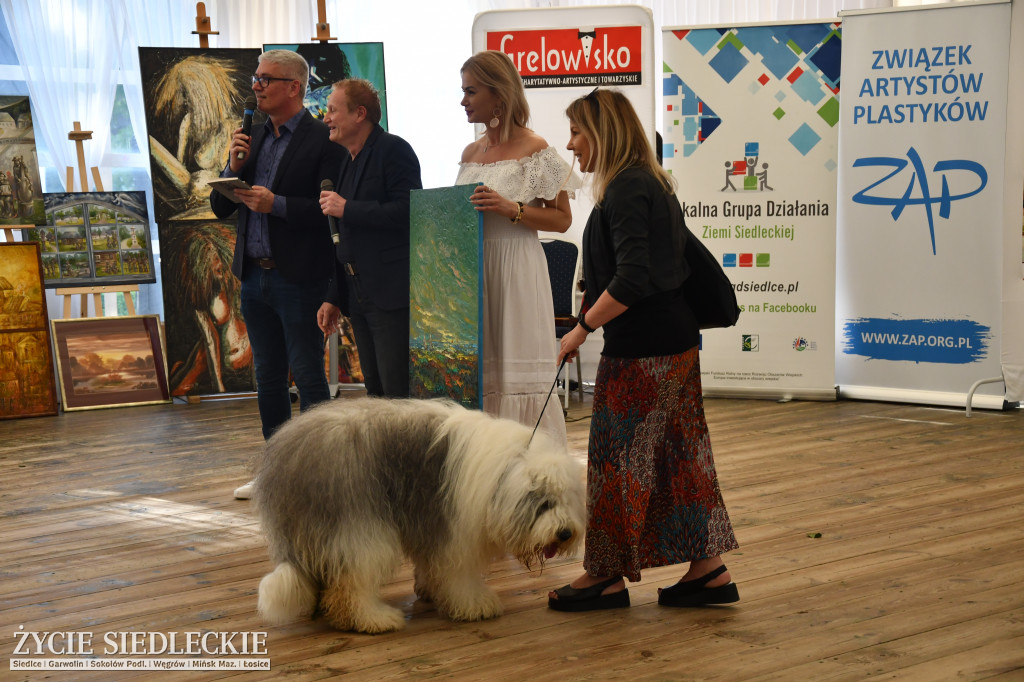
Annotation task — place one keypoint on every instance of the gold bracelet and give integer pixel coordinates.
(520, 215)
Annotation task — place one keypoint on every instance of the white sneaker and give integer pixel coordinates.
(244, 492)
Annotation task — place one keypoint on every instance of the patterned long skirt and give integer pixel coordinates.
(652, 491)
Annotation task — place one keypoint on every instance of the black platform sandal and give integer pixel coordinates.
(694, 592)
(590, 598)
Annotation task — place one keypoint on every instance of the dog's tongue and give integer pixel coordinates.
(550, 550)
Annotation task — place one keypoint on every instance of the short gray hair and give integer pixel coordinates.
(292, 63)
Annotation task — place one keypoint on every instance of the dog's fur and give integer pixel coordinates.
(347, 489)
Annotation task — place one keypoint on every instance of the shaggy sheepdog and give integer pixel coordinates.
(346, 490)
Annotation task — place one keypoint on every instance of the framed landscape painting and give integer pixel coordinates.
(446, 296)
(26, 366)
(111, 362)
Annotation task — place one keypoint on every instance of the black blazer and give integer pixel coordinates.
(300, 243)
(376, 223)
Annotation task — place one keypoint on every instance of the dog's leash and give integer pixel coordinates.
(548, 399)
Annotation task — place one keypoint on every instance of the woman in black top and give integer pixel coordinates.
(652, 492)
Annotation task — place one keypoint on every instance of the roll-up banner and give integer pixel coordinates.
(564, 53)
(750, 118)
(922, 144)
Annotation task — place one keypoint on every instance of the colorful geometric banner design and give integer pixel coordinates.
(751, 138)
(787, 61)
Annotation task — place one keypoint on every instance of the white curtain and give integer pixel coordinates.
(70, 71)
(147, 24)
(248, 23)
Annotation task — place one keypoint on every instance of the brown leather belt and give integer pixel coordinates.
(265, 263)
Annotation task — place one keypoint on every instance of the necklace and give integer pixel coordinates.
(488, 147)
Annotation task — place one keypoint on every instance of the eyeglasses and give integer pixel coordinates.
(264, 81)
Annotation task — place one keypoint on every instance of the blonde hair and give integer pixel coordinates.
(617, 139)
(494, 70)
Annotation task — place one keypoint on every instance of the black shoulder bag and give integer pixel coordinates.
(707, 290)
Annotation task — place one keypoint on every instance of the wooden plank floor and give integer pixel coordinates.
(117, 520)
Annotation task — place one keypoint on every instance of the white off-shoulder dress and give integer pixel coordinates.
(519, 328)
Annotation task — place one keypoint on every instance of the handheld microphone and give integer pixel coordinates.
(250, 107)
(327, 186)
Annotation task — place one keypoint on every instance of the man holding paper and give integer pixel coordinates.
(283, 253)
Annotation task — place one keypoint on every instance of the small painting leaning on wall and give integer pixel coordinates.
(26, 366)
(110, 362)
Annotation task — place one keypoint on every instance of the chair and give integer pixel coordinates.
(562, 257)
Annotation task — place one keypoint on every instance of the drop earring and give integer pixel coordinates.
(495, 121)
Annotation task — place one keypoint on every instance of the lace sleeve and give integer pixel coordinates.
(547, 174)
(542, 175)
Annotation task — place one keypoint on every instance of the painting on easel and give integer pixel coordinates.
(332, 62)
(21, 194)
(94, 239)
(26, 366)
(207, 345)
(194, 99)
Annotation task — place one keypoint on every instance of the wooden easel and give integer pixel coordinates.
(79, 137)
(323, 29)
(203, 26)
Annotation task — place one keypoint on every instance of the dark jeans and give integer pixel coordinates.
(382, 339)
(280, 317)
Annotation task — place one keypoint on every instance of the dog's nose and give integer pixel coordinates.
(564, 534)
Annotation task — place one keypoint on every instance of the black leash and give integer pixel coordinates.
(548, 399)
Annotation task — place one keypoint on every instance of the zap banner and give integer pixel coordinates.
(922, 144)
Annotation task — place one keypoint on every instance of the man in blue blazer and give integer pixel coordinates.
(283, 250)
(371, 206)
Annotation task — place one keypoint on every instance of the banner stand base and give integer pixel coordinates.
(898, 395)
(821, 394)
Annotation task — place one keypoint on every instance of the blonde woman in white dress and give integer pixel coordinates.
(526, 189)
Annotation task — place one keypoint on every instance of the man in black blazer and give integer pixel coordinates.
(283, 250)
(371, 205)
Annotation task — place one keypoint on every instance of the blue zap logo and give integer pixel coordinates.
(960, 175)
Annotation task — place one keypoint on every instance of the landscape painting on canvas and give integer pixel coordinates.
(446, 296)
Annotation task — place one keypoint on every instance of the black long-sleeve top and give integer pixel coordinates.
(633, 248)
